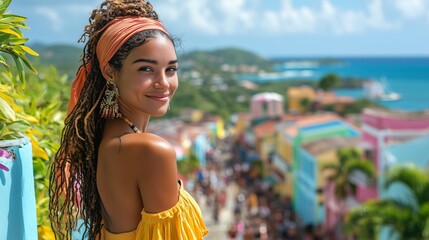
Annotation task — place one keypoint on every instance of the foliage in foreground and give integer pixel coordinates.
(30, 105)
(405, 219)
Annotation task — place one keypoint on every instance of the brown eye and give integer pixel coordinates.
(172, 69)
(145, 69)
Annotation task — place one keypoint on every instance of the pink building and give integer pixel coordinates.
(266, 105)
(381, 129)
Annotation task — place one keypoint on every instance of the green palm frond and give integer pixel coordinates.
(404, 219)
(364, 166)
(346, 154)
(330, 166)
(414, 178)
(376, 214)
(349, 162)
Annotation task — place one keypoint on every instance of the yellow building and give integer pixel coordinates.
(242, 121)
(283, 160)
(191, 115)
(296, 95)
(265, 139)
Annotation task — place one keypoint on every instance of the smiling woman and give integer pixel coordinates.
(121, 181)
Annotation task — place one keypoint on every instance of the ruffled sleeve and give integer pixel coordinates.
(183, 221)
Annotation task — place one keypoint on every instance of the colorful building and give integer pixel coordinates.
(383, 130)
(317, 205)
(316, 100)
(305, 167)
(296, 95)
(266, 105)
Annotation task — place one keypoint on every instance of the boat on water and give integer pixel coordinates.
(377, 90)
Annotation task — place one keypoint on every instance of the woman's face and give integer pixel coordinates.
(148, 78)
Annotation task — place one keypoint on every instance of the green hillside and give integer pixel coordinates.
(66, 58)
(213, 60)
(206, 82)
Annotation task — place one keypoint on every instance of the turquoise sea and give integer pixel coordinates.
(408, 76)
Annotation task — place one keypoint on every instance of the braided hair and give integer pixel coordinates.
(72, 189)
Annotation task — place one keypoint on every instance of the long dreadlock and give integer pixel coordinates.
(72, 188)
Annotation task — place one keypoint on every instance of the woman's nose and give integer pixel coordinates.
(162, 81)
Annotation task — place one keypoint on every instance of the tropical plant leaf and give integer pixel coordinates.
(331, 165)
(414, 178)
(39, 152)
(17, 41)
(19, 125)
(3, 61)
(29, 118)
(20, 69)
(45, 232)
(6, 111)
(5, 89)
(13, 20)
(30, 51)
(4, 26)
(6, 75)
(3, 5)
(27, 63)
(11, 32)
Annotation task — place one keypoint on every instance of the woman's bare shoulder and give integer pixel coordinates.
(153, 160)
(142, 146)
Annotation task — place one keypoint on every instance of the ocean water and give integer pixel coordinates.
(408, 76)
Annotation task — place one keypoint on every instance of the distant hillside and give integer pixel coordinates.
(232, 56)
(65, 58)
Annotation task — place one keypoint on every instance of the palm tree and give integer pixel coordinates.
(406, 219)
(305, 104)
(342, 175)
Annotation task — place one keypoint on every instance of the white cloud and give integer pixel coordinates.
(240, 16)
(376, 18)
(346, 21)
(236, 15)
(201, 16)
(328, 10)
(411, 8)
(78, 9)
(193, 14)
(293, 19)
(62, 15)
(52, 15)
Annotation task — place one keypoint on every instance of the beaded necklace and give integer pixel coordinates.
(133, 127)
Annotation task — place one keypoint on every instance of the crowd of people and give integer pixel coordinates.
(258, 211)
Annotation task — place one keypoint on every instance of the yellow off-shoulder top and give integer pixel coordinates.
(181, 222)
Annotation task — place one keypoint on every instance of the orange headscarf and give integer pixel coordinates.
(115, 34)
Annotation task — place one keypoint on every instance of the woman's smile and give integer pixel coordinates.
(162, 97)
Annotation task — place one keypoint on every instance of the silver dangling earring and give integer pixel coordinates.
(109, 108)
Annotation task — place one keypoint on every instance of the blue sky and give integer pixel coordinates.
(270, 28)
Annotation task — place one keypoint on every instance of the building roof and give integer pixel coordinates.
(397, 113)
(331, 98)
(330, 144)
(265, 129)
(310, 120)
(267, 96)
(302, 91)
